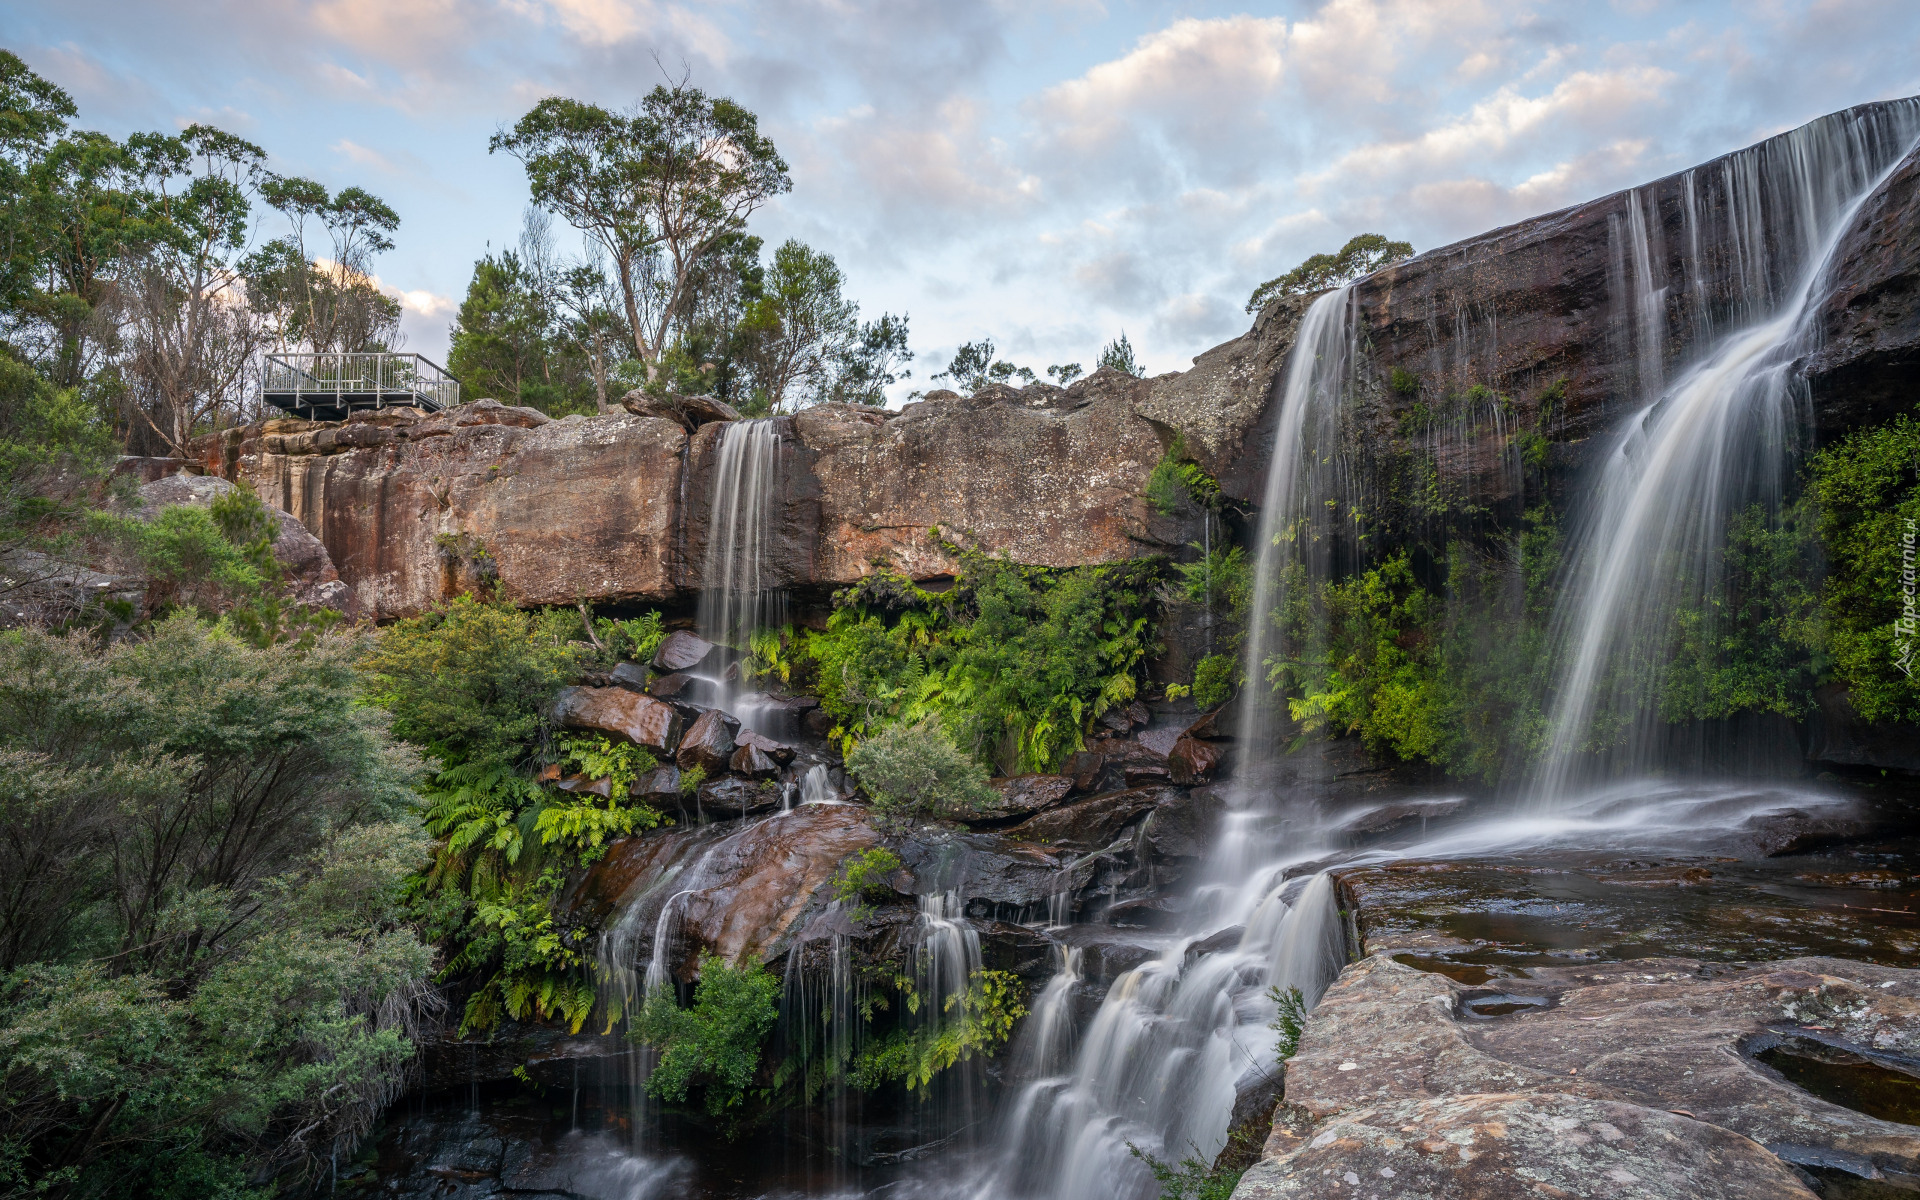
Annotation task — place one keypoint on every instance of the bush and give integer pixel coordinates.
(715, 1044)
(979, 1021)
(1866, 489)
(917, 771)
(864, 877)
(468, 681)
(208, 970)
(1214, 678)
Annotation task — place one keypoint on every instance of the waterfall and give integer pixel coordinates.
(1298, 531)
(739, 589)
(1719, 438)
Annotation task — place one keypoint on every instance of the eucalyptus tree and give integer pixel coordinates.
(325, 299)
(1363, 254)
(657, 187)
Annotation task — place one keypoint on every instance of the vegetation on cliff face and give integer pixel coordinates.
(1015, 662)
(468, 684)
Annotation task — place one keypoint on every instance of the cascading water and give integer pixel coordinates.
(739, 591)
(1158, 1066)
(1715, 443)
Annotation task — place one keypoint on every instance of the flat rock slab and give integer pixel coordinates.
(1498, 1145)
(1624, 1044)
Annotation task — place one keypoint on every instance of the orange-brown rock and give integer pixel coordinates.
(708, 744)
(641, 720)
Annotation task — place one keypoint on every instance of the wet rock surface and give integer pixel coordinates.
(1397, 1064)
(639, 719)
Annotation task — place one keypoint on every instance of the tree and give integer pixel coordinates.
(803, 326)
(191, 336)
(326, 304)
(875, 359)
(1118, 354)
(657, 187)
(1062, 375)
(1362, 255)
(974, 367)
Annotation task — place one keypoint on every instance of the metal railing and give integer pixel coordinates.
(364, 380)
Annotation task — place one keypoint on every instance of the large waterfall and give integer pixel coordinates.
(1718, 441)
(740, 592)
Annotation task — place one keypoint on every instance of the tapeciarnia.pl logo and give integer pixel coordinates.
(1905, 628)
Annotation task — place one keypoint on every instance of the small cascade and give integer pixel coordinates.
(1045, 1048)
(1717, 442)
(739, 589)
(816, 786)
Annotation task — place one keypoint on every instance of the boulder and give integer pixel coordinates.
(1023, 796)
(641, 720)
(629, 675)
(309, 568)
(681, 651)
(658, 786)
(667, 687)
(1194, 761)
(750, 760)
(586, 785)
(732, 796)
(779, 752)
(1095, 822)
(706, 744)
(690, 412)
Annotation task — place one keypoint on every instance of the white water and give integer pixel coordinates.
(740, 591)
(1719, 438)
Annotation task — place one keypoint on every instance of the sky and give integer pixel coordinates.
(1045, 174)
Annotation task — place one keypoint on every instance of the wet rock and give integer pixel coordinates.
(1861, 368)
(658, 786)
(1796, 831)
(817, 723)
(751, 761)
(1085, 768)
(1095, 822)
(991, 873)
(1126, 718)
(706, 744)
(629, 675)
(586, 785)
(1384, 818)
(1194, 761)
(1023, 796)
(681, 651)
(1509, 1147)
(736, 797)
(1185, 826)
(1160, 741)
(668, 687)
(1389, 1046)
(779, 752)
(1837, 735)
(641, 720)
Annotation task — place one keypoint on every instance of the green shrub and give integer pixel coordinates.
(714, 1045)
(1017, 662)
(1189, 1179)
(468, 680)
(1866, 492)
(1403, 382)
(1214, 679)
(864, 877)
(979, 1021)
(1290, 1020)
(1222, 580)
(1174, 482)
(917, 771)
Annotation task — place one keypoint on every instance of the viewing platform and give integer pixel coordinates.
(328, 387)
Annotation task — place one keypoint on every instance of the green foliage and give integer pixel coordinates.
(1214, 678)
(977, 1022)
(1362, 255)
(1289, 1021)
(206, 970)
(691, 779)
(1222, 580)
(1172, 484)
(1190, 1179)
(1015, 661)
(864, 877)
(1751, 646)
(1118, 354)
(974, 367)
(716, 1044)
(1866, 492)
(917, 771)
(1403, 382)
(599, 757)
(468, 680)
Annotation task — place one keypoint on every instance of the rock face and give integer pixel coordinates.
(1647, 1067)
(1535, 330)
